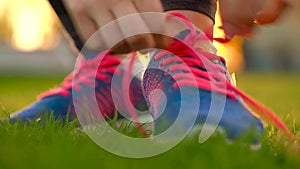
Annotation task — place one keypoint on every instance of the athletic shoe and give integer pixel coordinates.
(187, 79)
(89, 76)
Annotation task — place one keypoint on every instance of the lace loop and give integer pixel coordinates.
(84, 74)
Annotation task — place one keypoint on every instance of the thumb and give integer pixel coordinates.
(271, 11)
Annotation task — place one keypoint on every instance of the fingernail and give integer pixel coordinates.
(229, 35)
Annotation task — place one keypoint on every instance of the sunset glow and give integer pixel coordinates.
(32, 24)
(232, 51)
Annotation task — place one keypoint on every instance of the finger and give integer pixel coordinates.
(85, 26)
(271, 11)
(110, 31)
(151, 14)
(148, 5)
(231, 30)
(154, 21)
(121, 48)
(133, 27)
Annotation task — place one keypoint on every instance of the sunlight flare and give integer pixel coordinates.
(32, 25)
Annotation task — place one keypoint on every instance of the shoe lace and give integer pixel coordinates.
(210, 76)
(101, 67)
(86, 71)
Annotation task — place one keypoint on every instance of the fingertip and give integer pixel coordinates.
(163, 42)
(272, 12)
(142, 41)
(121, 48)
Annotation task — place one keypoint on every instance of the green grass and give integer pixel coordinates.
(53, 145)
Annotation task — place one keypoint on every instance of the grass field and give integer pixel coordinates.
(55, 146)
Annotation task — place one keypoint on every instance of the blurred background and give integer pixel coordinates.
(31, 43)
(31, 40)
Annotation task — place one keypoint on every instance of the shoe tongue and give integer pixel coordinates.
(183, 34)
(207, 46)
(206, 43)
(89, 54)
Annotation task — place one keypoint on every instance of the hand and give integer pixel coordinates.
(271, 12)
(91, 15)
(240, 16)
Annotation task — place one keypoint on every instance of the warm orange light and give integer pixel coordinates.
(2, 7)
(32, 25)
(232, 51)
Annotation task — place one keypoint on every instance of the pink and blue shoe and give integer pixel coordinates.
(59, 101)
